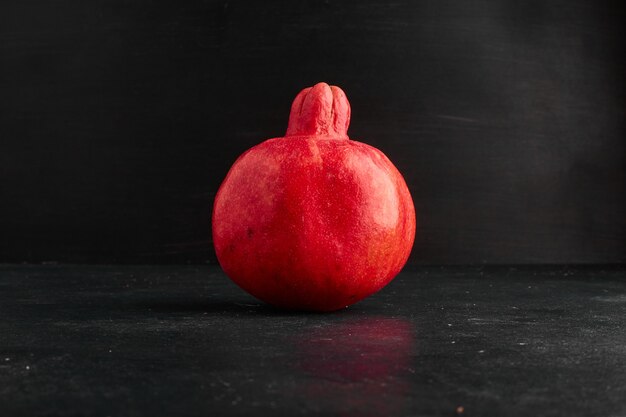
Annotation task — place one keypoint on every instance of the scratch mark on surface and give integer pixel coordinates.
(457, 118)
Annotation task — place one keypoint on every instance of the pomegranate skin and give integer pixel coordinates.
(313, 221)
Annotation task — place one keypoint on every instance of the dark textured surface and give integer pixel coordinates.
(165, 341)
(119, 119)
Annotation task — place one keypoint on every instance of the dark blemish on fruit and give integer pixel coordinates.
(231, 247)
(250, 232)
(353, 296)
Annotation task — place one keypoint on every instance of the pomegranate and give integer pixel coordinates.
(313, 220)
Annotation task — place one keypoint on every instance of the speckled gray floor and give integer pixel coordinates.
(178, 341)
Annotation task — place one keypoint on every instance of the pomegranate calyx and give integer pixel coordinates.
(322, 110)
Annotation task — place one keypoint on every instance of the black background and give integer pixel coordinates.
(119, 120)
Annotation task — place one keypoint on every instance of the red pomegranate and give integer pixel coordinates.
(313, 220)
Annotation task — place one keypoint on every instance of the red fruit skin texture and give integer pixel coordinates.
(313, 220)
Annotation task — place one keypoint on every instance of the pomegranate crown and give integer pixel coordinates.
(321, 110)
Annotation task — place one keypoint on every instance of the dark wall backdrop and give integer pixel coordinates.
(119, 119)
